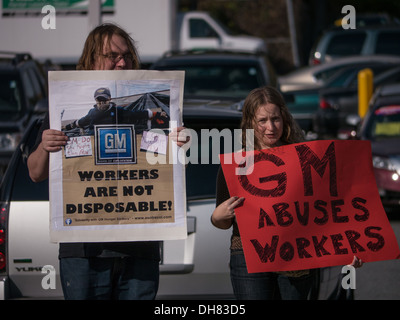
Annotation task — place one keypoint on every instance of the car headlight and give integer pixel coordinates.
(381, 163)
(9, 141)
(386, 163)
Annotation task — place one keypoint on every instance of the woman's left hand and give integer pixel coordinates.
(356, 263)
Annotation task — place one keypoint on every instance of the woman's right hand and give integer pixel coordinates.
(224, 214)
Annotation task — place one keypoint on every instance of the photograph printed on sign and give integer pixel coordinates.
(115, 124)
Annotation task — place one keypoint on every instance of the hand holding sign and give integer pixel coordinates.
(311, 205)
(225, 212)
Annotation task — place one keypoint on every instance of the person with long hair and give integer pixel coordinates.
(265, 112)
(112, 270)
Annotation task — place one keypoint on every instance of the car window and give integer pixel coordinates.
(337, 76)
(388, 43)
(220, 81)
(28, 87)
(341, 78)
(23, 188)
(326, 74)
(388, 77)
(376, 70)
(36, 83)
(10, 100)
(201, 177)
(201, 29)
(346, 44)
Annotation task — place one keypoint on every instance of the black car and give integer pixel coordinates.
(23, 95)
(309, 105)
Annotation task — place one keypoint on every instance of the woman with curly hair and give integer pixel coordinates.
(265, 112)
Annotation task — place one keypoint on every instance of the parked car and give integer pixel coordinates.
(382, 127)
(23, 95)
(310, 77)
(302, 104)
(368, 19)
(219, 75)
(339, 105)
(338, 42)
(227, 78)
(306, 104)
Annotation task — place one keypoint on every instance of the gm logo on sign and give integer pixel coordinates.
(115, 144)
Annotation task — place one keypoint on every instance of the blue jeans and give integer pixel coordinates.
(267, 285)
(109, 278)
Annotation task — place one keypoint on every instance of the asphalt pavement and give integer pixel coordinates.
(380, 280)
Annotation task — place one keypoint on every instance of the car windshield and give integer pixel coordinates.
(346, 44)
(23, 188)
(385, 123)
(220, 81)
(212, 138)
(9, 94)
(348, 77)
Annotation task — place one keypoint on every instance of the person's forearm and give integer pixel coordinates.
(38, 164)
(221, 224)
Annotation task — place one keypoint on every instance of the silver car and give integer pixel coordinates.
(312, 77)
(338, 43)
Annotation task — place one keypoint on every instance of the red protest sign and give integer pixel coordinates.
(309, 205)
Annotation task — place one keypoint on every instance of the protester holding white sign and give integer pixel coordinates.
(100, 270)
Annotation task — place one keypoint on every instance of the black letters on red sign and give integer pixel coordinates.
(308, 158)
(281, 178)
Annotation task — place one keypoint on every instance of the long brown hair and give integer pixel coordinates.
(95, 41)
(258, 97)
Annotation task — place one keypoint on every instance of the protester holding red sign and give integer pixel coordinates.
(265, 111)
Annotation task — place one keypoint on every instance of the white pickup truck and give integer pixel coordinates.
(155, 25)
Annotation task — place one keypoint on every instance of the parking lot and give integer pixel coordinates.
(380, 280)
(322, 96)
